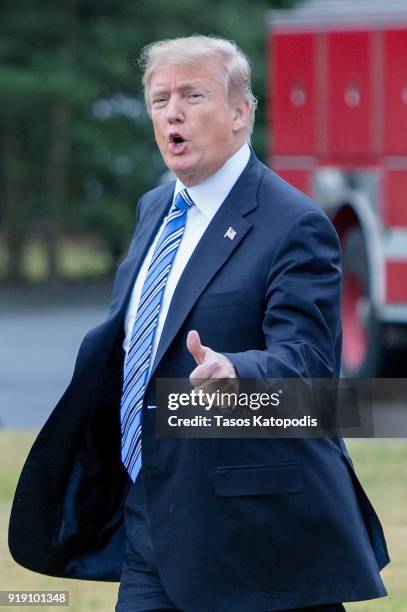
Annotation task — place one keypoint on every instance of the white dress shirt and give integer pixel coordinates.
(207, 196)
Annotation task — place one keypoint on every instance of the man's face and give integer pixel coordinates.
(195, 126)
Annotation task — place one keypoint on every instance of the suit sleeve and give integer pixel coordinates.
(301, 325)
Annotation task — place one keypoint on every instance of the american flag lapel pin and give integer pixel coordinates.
(230, 233)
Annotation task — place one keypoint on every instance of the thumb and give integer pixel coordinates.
(197, 350)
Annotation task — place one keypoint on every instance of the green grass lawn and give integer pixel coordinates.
(80, 258)
(84, 595)
(381, 466)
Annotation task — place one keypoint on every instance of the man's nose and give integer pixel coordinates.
(175, 112)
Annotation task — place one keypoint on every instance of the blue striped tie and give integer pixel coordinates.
(137, 364)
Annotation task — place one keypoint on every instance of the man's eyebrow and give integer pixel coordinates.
(158, 91)
(161, 89)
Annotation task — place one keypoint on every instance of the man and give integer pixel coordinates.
(232, 273)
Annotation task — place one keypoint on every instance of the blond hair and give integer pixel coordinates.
(236, 74)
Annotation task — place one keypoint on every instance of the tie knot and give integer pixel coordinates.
(183, 200)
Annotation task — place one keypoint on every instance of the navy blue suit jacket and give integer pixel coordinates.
(236, 524)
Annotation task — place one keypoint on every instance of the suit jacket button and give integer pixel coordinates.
(171, 509)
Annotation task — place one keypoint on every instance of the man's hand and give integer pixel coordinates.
(211, 367)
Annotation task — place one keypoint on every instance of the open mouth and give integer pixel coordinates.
(176, 139)
(177, 143)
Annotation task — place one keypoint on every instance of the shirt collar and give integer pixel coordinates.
(209, 195)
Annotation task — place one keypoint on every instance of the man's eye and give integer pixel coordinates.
(194, 96)
(159, 101)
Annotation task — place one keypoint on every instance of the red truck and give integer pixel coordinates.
(337, 127)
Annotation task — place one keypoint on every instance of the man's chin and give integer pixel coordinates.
(184, 171)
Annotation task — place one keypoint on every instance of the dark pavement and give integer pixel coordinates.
(41, 329)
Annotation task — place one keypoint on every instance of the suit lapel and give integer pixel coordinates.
(212, 251)
(145, 234)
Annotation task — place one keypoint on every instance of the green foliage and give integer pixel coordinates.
(71, 107)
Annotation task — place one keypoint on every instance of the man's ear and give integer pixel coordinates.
(241, 115)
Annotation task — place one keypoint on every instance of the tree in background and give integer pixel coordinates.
(77, 146)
